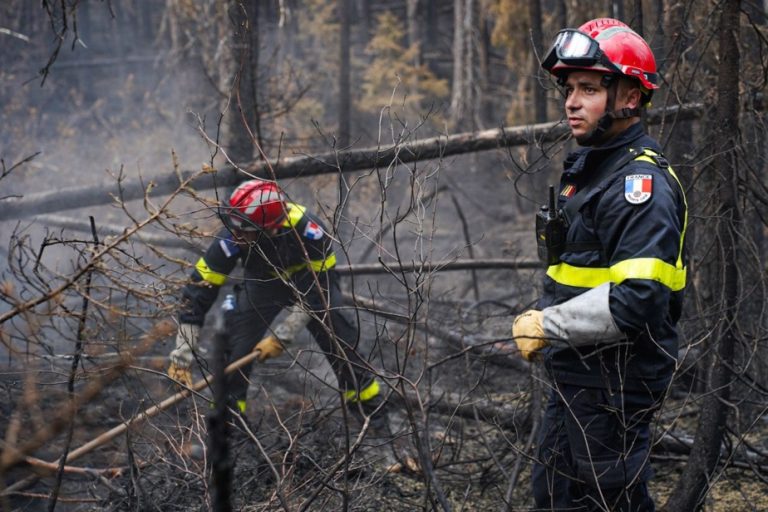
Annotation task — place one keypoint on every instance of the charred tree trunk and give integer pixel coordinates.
(537, 40)
(344, 75)
(344, 113)
(617, 9)
(218, 420)
(678, 140)
(692, 487)
(242, 119)
(485, 104)
(754, 123)
(637, 18)
(461, 95)
(412, 9)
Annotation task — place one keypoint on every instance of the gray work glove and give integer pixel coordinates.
(187, 341)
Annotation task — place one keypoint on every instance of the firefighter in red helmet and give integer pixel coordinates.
(605, 326)
(288, 262)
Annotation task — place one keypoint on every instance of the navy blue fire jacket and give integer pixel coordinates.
(272, 260)
(635, 242)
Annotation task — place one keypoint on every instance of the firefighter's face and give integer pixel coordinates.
(248, 237)
(585, 102)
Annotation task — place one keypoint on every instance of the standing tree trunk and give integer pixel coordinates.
(242, 117)
(692, 487)
(461, 95)
(412, 9)
(637, 18)
(344, 78)
(537, 40)
(560, 14)
(616, 8)
(363, 10)
(757, 120)
(485, 107)
(432, 32)
(343, 135)
(457, 92)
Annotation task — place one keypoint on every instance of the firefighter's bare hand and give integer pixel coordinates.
(180, 373)
(528, 333)
(268, 348)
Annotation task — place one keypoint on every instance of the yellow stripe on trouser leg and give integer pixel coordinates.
(370, 391)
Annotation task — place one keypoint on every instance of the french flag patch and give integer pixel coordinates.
(638, 188)
(313, 231)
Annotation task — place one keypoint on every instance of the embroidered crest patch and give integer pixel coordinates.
(313, 231)
(638, 188)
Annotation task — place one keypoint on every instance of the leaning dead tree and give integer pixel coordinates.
(311, 165)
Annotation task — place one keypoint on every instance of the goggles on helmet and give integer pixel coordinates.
(231, 218)
(577, 49)
(234, 220)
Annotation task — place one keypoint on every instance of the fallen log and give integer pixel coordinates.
(310, 165)
(463, 343)
(436, 266)
(161, 239)
(508, 411)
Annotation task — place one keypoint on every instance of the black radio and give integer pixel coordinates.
(551, 229)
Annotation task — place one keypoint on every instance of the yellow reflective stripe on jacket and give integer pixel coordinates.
(370, 391)
(646, 157)
(209, 275)
(295, 213)
(672, 276)
(637, 268)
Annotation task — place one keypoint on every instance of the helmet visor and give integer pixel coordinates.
(574, 48)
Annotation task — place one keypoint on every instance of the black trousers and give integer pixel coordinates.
(593, 450)
(259, 301)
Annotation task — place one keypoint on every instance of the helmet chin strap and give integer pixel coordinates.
(598, 135)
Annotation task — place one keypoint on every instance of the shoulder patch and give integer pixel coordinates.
(313, 231)
(638, 188)
(229, 247)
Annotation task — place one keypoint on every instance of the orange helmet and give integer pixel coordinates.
(603, 44)
(255, 205)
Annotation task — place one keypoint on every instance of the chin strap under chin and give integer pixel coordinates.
(606, 120)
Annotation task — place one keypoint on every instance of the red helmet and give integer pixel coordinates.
(256, 204)
(603, 44)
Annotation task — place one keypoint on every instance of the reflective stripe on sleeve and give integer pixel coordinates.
(636, 268)
(208, 275)
(370, 391)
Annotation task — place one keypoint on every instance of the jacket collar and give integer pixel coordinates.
(589, 157)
